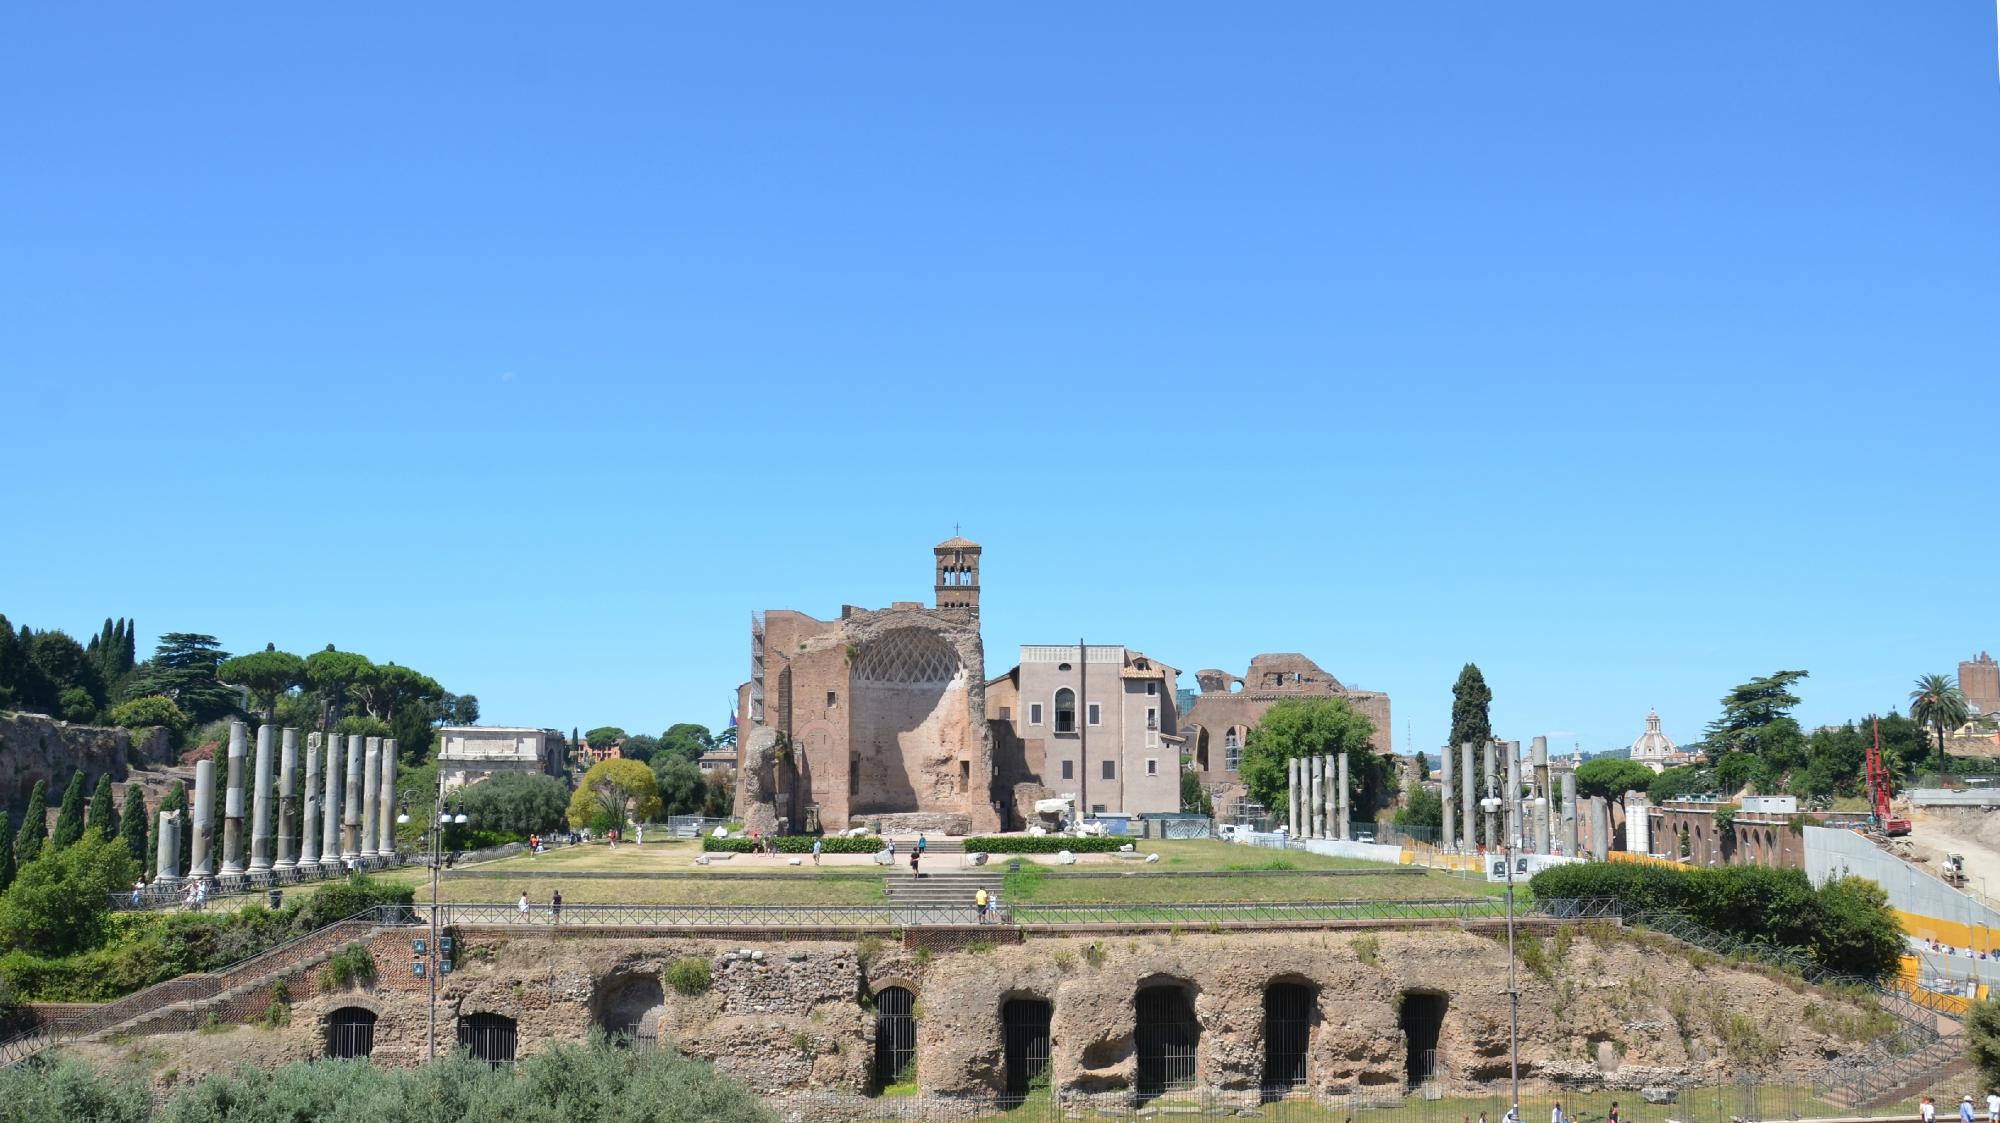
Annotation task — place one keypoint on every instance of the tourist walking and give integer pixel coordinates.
(555, 907)
(1965, 1110)
(1556, 1115)
(922, 842)
(1927, 1110)
(892, 849)
(979, 903)
(1993, 1107)
(816, 850)
(1612, 1115)
(138, 892)
(916, 856)
(521, 906)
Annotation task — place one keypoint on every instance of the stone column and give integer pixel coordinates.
(1292, 793)
(1541, 819)
(1342, 812)
(201, 861)
(1638, 824)
(260, 802)
(167, 855)
(1468, 767)
(385, 833)
(1539, 754)
(1513, 793)
(1449, 792)
(232, 803)
(1600, 829)
(371, 794)
(1316, 792)
(1493, 818)
(1569, 814)
(288, 775)
(309, 818)
(350, 808)
(329, 807)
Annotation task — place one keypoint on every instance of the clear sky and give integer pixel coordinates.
(1629, 350)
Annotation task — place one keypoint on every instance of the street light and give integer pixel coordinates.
(1492, 806)
(432, 954)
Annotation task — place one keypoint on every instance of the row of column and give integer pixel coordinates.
(1531, 816)
(348, 816)
(1318, 796)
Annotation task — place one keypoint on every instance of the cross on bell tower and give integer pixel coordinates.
(958, 573)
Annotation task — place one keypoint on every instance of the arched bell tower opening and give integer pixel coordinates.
(958, 574)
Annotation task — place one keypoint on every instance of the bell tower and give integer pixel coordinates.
(958, 574)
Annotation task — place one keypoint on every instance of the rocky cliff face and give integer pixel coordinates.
(33, 747)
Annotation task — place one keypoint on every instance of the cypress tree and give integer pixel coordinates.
(103, 813)
(6, 852)
(69, 821)
(132, 823)
(131, 658)
(1470, 722)
(34, 826)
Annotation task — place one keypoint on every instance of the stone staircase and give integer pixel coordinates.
(178, 1003)
(944, 897)
(1875, 1086)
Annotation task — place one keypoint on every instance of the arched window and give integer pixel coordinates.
(1288, 1009)
(488, 1037)
(895, 1036)
(1024, 1026)
(1166, 1037)
(1232, 748)
(350, 1033)
(1065, 710)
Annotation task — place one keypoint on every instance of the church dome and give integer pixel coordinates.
(1653, 744)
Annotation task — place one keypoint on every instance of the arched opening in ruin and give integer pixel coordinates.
(903, 686)
(1065, 710)
(487, 1037)
(1421, 1017)
(895, 1037)
(1288, 1020)
(1166, 1037)
(1024, 1028)
(350, 1033)
(621, 1006)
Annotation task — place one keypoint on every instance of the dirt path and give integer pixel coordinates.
(1975, 834)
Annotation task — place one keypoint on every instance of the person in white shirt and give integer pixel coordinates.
(521, 906)
(1927, 1111)
(1993, 1107)
(1556, 1116)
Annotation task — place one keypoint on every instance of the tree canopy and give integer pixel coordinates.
(516, 803)
(266, 674)
(683, 789)
(612, 792)
(604, 736)
(687, 740)
(1610, 778)
(1749, 710)
(1310, 726)
(1938, 704)
(61, 902)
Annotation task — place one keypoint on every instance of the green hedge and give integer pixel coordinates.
(1845, 925)
(793, 844)
(149, 948)
(1045, 844)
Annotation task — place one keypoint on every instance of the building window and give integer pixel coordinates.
(964, 776)
(1065, 710)
(1152, 766)
(1152, 718)
(1095, 717)
(853, 774)
(832, 699)
(1152, 688)
(1110, 770)
(1034, 713)
(1006, 713)
(1069, 770)
(1232, 750)
(1097, 809)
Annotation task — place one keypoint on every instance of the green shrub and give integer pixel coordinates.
(338, 900)
(153, 709)
(350, 966)
(689, 976)
(1045, 844)
(1845, 925)
(61, 902)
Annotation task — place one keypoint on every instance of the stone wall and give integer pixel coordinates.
(33, 747)
(796, 1017)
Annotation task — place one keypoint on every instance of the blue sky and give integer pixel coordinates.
(1627, 350)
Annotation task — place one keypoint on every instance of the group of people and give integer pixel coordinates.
(1556, 1115)
(526, 911)
(1947, 949)
(1927, 1109)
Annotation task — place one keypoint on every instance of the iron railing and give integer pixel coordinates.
(186, 988)
(156, 896)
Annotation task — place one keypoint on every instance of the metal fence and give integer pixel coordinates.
(1749, 1100)
(172, 895)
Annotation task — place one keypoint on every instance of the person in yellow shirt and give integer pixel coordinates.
(979, 899)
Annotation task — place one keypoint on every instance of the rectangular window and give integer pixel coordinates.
(853, 774)
(1152, 767)
(1006, 713)
(1069, 770)
(964, 776)
(1152, 688)
(1095, 718)
(1097, 809)
(1232, 755)
(832, 699)
(1034, 713)
(1152, 718)
(1110, 770)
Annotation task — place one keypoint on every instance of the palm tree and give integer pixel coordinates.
(1937, 702)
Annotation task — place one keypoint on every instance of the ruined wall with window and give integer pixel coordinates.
(1228, 706)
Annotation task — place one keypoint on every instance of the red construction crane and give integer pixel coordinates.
(1881, 789)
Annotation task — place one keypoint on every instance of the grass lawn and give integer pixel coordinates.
(538, 881)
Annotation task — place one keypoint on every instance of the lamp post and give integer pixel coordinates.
(440, 820)
(1492, 807)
